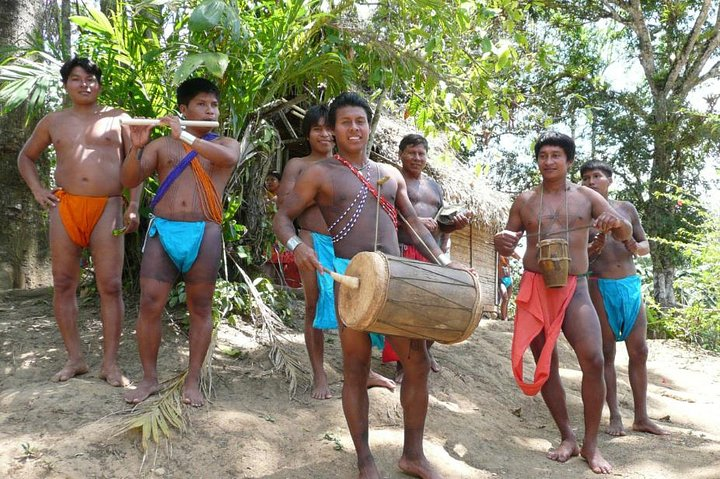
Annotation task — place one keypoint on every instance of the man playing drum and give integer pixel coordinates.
(426, 196)
(560, 210)
(345, 189)
(85, 209)
(185, 235)
(615, 292)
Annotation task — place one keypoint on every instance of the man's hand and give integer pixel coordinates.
(131, 219)
(140, 135)
(596, 246)
(174, 123)
(461, 220)
(461, 266)
(305, 258)
(631, 245)
(507, 240)
(429, 223)
(45, 198)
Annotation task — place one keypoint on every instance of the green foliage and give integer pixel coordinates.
(696, 319)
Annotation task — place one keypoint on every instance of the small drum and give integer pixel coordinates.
(408, 298)
(554, 261)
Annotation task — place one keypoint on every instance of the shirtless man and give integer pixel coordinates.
(343, 188)
(318, 288)
(84, 209)
(313, 232)
(559, 209)
(615, 292)
(426, 196)
(185, 236)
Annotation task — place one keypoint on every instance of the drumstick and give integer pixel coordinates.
(154, 121)
(350, 281)
(380, 182)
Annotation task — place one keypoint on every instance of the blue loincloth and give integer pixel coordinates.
(622, 299)
(325, 309)
(180, 239)
(341, 264)
(507, 281)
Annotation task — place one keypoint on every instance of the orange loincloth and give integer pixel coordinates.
(539, 309)
(79, 215)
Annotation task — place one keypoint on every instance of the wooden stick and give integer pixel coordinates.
(350, 281)
(154, 121)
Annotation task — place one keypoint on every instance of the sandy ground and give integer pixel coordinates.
(479, 424)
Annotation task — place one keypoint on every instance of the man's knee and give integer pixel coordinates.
(109, 286)
(638, 353)
(64, 283)
(592, 362)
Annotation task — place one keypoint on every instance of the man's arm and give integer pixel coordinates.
(507, 240)
(638, 243)
(27, 159)
(131, 216)
(223, 153)
(141, 160)
(426, 243)
(307, 187)
(606, 218)
(288, 180)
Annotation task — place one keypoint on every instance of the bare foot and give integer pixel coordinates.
(114, 376)
(646, 425)
(320, 389)
(419, 468)
(70, 370)
(615, 428)
(597, 463)
(567, 449)
(376, 380)
(141, 392)
(192, 395)
(367, 468)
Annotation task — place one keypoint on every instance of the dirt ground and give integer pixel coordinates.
(479, 423)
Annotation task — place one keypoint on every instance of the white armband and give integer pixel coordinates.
(444, 259)
(187, 137)
(294, 242)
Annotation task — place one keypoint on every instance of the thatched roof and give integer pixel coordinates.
(461, 184)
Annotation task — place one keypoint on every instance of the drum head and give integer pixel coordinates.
(358, 308)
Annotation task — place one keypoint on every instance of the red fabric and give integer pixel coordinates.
(411, 252)
(539, 309)
(290, 271)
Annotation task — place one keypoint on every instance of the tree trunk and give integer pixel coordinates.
(24, 249)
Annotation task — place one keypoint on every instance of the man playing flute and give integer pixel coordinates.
(185, 235)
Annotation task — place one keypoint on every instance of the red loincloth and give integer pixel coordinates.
(539, 309)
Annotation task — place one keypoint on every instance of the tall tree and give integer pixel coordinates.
(24, 257)
(678, 46)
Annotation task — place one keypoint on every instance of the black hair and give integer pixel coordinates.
(413, 139)
(85, 63)
(596, 165)
(274, 174)
(312, 117)
(555, 138)
(348, 98)
(189, 89)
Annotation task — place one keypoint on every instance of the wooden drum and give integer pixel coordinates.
(554, 261)
(408, 298)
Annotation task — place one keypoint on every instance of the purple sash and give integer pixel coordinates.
(177, 171)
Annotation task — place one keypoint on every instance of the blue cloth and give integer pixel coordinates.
(622, 299)
(180, 239)
(507, 281)
(325, 309)
(340, 265)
